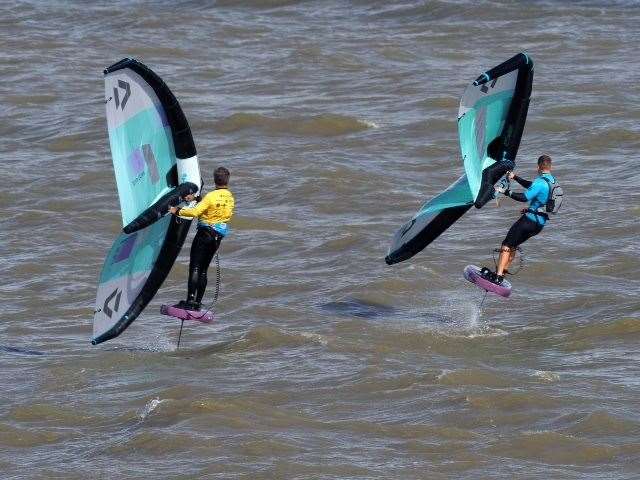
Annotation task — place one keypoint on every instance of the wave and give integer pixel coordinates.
(325, 125)
(257, 3)
(553, 448)
(54, 415)
(26, 438)
(68, 143)
(511, 401)
(29, 100)
(244, 222)
(625, 328)
(157, 444)
(476, 376)
(268, 337)
(603, 423)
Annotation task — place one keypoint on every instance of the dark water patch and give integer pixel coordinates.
(20, 351)
(358, 308)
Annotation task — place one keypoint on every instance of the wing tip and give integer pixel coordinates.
(118, 65)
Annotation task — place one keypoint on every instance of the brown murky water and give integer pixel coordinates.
(337, 120)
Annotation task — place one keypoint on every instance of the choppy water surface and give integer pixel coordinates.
(337, 120)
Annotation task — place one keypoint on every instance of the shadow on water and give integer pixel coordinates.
(221, 347)
(19, 351)
(462, 317)
(354, 307)
(135, 349)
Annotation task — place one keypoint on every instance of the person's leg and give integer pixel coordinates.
(508, 247)
(202, 286)
(198, 250)
(507, 254)
(512, 255)
(520, 232)
(213, 242)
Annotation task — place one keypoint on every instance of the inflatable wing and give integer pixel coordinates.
(491, 119)
(155, 164)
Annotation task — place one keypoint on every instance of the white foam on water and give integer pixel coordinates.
(546, 376)
(316, 337)
(462, 317)
(150, 407)
(164, 342)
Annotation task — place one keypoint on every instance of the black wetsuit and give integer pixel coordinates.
(204, 247)
(525, 227)
(521, 231)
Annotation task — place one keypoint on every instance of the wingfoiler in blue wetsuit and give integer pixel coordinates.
(534, 218)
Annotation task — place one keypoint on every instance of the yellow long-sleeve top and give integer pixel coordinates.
(215, 207)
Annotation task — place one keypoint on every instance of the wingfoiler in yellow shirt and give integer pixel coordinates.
(216, 207)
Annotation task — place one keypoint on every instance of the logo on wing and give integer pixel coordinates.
(485, 89)
(109, 309)
(126, 87)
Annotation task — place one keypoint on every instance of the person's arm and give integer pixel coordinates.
(196, 211)
(518, 197)
(522, 181)
(529, 194)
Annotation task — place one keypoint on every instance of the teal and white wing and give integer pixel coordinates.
(134, 269)
(141, 143)
(153, 152)
(481, 119)
(432, 219)
(155, 163)
(491, 120)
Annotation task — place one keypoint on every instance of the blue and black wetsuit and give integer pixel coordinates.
(532, 221)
